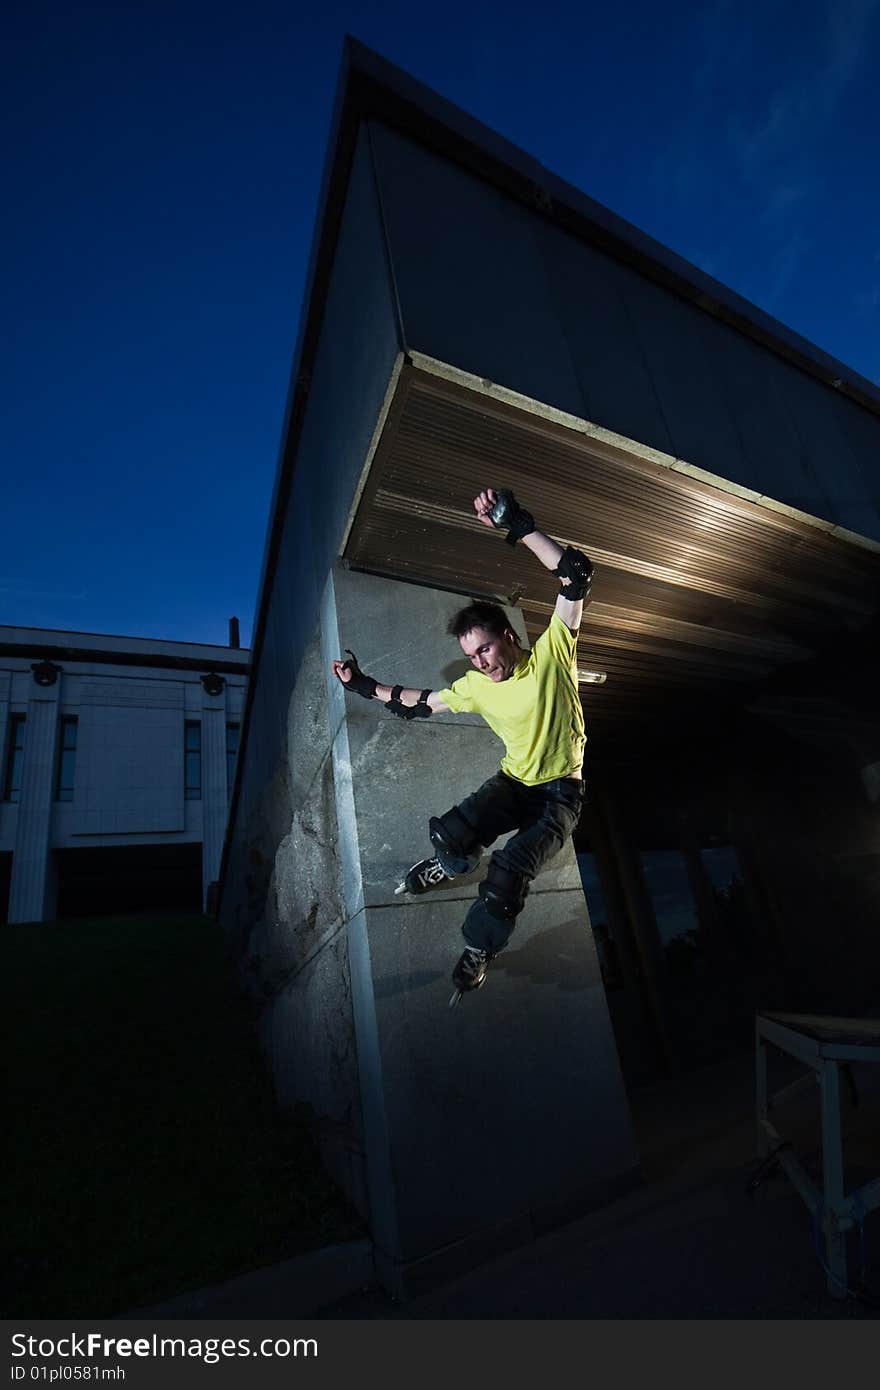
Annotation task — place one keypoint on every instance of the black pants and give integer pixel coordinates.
(543, 818)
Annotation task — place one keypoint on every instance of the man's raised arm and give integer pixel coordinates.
(402, 701)
(499, 508)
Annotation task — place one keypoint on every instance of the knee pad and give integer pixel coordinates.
(455, 841)
(503, 891)
(453, 833)
(484, 930)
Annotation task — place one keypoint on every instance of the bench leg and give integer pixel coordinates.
(832, 1179)
(761, 1093)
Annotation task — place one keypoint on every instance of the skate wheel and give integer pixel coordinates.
(456, 999)
(401, 888)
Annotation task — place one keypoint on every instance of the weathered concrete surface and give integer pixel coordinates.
(516, 1095)
(486, 1123)
(309, 1040)
(294, 960)
(403, 774)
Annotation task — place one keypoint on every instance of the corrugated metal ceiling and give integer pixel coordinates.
(698, 594)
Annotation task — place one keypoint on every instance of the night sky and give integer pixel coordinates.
(162, 166)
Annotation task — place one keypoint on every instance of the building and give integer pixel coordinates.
(470, 319)
(117, 762)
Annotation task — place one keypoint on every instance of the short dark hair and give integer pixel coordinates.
(491, 616)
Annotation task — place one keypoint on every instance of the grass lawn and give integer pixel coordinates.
(144, 1152)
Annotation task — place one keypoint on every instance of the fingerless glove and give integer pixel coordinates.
(509, 516)
(359, 683)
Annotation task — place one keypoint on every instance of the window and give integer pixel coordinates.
(192, 759)
(14, 757)
(732, 910)
(672, 900)
(231, 754)
(66, 758)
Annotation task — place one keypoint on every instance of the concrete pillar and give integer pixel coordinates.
(214, 799)
(486, 1124)
(32, 884)
(5, 686)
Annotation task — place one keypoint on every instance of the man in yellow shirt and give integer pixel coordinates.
(530, 699)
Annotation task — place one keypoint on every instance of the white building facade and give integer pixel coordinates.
(117, 756)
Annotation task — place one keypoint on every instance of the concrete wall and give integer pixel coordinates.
(484, 1124)
(417, 1107)
(512, 298)
(295, 965)
(280, 900)
(355, 358)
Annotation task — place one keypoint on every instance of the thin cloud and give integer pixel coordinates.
(848, 23)
(717, 37)
(785, 266)
(772, 146)
(757, 144)
(868, 299)
(786, 195)
(766, 285)
(778, 133)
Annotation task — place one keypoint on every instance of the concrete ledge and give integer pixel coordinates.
(292, 1288)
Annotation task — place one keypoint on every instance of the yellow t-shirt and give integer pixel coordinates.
(536, 712)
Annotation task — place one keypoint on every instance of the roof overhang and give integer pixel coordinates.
(684, 603)
(704, 591)
(370, 88)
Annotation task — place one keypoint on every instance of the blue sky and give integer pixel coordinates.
(162, 165)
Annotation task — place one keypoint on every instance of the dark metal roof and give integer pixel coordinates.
(98, 657)
(372, 88)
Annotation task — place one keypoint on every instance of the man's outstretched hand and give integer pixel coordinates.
(353, 677)
(484, 504)
(500, 509)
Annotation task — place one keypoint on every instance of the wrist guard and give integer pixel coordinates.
(509, 516)
(359, 683)
(578, 570)
(421, 710)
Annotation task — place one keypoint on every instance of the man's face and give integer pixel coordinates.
(496, 657)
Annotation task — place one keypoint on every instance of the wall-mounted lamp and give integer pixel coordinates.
(591, 677)
(45, 672)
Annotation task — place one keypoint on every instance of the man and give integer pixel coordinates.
(530, 699)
